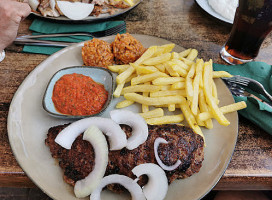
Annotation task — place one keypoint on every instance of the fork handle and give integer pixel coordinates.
(42, 43)
(52, 35)
(258, 99)
(266, 95)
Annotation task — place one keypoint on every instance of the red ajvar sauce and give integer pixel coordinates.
(76, 94)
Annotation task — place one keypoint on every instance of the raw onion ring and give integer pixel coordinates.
(117, 137)
(157, 185)
(134, 189)
(99, 143)
(157, 142)
(136, 122)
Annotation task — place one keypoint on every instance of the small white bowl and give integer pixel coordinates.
(98, 74)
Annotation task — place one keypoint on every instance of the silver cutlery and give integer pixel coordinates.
(238, 90)
(250, 83)
(32, 39)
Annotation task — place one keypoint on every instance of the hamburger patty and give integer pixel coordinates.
(183, 144)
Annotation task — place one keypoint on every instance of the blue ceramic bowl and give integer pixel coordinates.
(98, 74)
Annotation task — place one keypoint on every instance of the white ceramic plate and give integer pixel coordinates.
(90, 18)
(28, 124)
(205, 6)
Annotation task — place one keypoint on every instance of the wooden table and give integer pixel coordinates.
(184, 23)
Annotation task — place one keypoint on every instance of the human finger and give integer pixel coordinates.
(24, 10)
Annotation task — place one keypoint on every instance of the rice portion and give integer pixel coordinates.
(97, 53)
(126, 49)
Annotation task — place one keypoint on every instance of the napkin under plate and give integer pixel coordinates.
(256, 111)
(40, 26)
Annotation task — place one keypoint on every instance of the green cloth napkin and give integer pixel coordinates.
(256, 111)
(40, 26)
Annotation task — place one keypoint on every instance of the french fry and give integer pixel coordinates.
(181, 71)
(146, 55)
(203, 107)
(121, 78)
(199, 69)
(145, 108)
(158, 112)
(146, 78)
(123, 104)
(189, 89)
(225, 109)
(153, 101)
(191, 72)
(141, 88)
(145, 69)
(189, 84)
(185, 53)
(118, 68)
(167, 80)
(181, 64)
(173, 80)
(130, 77)
(118, 90)
(192, 55)
(165, 87)
(214, 93)
(168, 93)
(157, 60)
(130, 2)
(175, 55)
(190, 117)
(221, 74)
(160, 67)
(165, 119)
(218, 115)
(199, 122)
(169, 68)
(178, 85)
(187, 61)
(233, 107)
(167, 48)
(171, 107)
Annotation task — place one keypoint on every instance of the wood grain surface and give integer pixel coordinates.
(183, 22)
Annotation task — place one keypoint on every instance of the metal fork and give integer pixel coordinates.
(31, 39)
(238, 90)
(250, 83)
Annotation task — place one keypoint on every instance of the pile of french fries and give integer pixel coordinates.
(161, 79)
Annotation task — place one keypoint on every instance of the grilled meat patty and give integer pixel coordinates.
(183, 144)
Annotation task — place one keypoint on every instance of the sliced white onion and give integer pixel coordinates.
(98, 141)
(52, 4)
(117, 137)
(136, 122)
(134, 189)
(75, 10)
(157, 142)
(157, 185)
(55, 13)
(34, 4)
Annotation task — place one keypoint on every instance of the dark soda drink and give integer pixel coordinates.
(252, 23)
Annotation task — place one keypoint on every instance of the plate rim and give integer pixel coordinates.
(211, 12)
(52, 57)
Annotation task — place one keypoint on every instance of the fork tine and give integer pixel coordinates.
(239, 80)
(115, 30)
(234, 88)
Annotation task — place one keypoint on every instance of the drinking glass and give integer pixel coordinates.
(252, 23)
